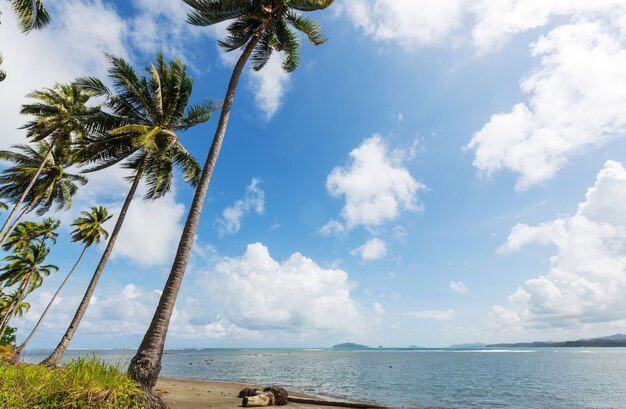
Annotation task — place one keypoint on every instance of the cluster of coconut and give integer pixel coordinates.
(269, 396)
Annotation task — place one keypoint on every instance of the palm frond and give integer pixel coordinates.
(209, 12)
(311, 28)
(309, 5)
(31, 14)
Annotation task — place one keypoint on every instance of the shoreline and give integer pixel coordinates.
(185, 393)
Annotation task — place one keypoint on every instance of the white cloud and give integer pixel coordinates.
(587, 281)
(254, 201)
(151, 230)
(373, 249)
(459, 287)
(438, 315)
(498, 20)
(258, 292)
(375, 184)
(270, 85)
(127, 311)
(70, 46)
(577, 103)
(409, 23)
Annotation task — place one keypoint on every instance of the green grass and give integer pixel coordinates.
(83, 383)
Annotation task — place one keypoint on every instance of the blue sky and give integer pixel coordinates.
(433, 174)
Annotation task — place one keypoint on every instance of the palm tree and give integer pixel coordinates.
(145, 115)
(58, 113)
(31, 14)
(11, 304)
(89, 230)
(259, 27)
(26, 269)
(53, 186)
(27, 232)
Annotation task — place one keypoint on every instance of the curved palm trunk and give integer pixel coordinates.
(59, 351)
(146, 364)
(54, 297)
(3, 233)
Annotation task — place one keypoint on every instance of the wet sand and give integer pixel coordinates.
(200, 394)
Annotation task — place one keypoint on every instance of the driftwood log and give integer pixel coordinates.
(322, 402)
(269, 396)
(276, 395)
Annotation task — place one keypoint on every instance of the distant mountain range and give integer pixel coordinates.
(617, 340)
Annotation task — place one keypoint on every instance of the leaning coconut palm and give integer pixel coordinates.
(89, 229)
(259, 27)
(58, 113)
(26, 269)
(146, 113)
(27, 232)
(53, 186)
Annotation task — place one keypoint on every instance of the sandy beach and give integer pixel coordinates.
(201, 394)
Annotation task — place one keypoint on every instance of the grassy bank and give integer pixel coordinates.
(82, 383)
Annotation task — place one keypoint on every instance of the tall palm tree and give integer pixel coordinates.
(145, 114)
(27, 232)
(89, 229)
(58, 113)
(31, 14)
(53, 186)
(259, 27)
(26, 269)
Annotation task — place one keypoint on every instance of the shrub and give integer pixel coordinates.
(85, 383)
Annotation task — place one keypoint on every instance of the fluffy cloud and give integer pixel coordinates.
(490, 23)
(587, 281)
(270, 85)
(437, 315)
(409, 23)
(458, 287)
(375, 184)
(258, 292)
(141, 239)
(125, 311)
(70, 46)
(254, 201)
(498, 20)
(577, 103)
(373, 249)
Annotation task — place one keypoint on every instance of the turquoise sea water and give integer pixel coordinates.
(518, 378)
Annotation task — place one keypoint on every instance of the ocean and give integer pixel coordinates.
(547, 378)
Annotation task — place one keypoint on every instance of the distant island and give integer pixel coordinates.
(350, 345)
(617, 340)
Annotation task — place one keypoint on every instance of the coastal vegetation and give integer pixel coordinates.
(86, 382)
